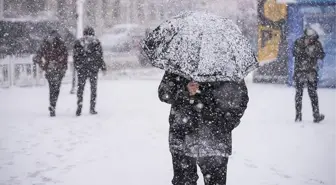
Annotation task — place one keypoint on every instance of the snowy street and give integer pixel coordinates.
(127, 142)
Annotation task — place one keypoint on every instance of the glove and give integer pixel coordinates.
(104, 72)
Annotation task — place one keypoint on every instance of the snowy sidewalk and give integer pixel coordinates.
(127, 142)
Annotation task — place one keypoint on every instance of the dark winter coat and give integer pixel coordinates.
(201, 125)
(88, 55)
(306, 57)
(54, 52)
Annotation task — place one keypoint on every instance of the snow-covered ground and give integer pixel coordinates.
(127, 142)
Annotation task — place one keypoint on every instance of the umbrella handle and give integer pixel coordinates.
(192, 99)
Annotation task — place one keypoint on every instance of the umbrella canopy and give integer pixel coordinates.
(201, 47)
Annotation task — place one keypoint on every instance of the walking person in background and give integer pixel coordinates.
(307, 51)
(88, 59)
(52, 57)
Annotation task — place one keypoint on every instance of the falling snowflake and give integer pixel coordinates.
(185, 120)
(208, 176)
(166, 96)
(200, 105)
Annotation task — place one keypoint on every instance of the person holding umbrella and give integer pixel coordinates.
(205, 58)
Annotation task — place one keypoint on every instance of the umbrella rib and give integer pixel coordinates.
(167, 43)
(235, 59)
(199, 50)
(163, 50)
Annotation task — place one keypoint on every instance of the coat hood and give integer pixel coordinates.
(311, 34)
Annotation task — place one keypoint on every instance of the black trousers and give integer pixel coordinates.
(54, 80)
(93, 78)
(310, 79)
(214, 170)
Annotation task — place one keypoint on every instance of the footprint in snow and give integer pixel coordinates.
(39, 164)
(315, 181)
(12, 180)
(46, 179)
(38, 172)
(34, 145)
(280, 173)
(68, 168)
(69, 149)
(59, 155)
(249, 164)
(34, 174)
(74, 143)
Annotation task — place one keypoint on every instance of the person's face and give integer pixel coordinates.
(309, 40)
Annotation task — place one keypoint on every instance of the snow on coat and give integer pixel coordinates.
(88, 55)
(201, 126)
(54, 54)
(307, 51)
(307, 55)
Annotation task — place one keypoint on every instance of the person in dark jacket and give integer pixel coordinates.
(88, 59)
(52, 57)
(201, 120)
(307, 51)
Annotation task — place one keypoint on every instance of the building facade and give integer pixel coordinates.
(280, 23)
(104, 14)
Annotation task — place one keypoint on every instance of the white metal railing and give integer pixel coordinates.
(21, 72)
(18, 71)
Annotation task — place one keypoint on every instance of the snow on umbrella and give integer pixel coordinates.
(202, 47)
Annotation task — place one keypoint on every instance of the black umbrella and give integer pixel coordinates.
(202, 47)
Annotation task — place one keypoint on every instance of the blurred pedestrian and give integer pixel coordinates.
(307, 51)
(52, 57)
(88, 59)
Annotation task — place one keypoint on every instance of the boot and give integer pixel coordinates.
(298, 117)
(93, 112)
(52, 111)
(318, 118)
(73, 91)
(79, 111)
(92, 108)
